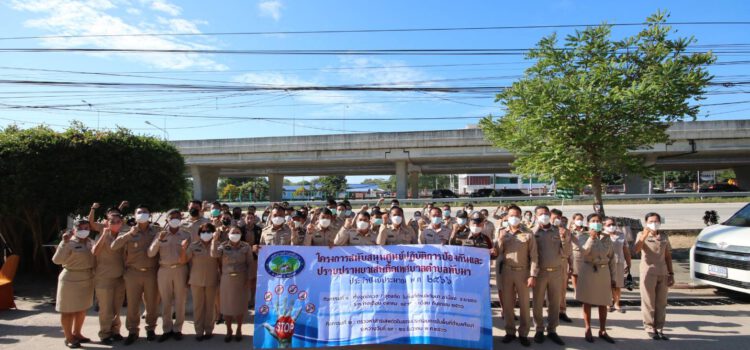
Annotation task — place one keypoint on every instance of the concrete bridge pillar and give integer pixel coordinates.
(742, 174)
(401, 179)
(635, 184)
(205, 183)
(414, 184)
(275, 187)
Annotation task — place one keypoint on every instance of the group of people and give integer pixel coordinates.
(212, 251)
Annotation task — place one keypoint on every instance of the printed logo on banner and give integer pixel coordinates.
(284, 264)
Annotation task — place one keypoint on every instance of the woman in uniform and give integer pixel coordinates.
(657, 275)
(622, 262)
(75, 285)
(236, 278)
(203, 280)
(579, 235)
(596, 277)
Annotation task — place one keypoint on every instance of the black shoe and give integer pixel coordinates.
(509, 338)
(150, 335)
(606, 337)
(165, 336)
(564, 317)
(199, 338)
(208, 336)
(228, 338)
(653, 335)
(220, 320)
(107, 341)
(524, 341)
(663, 337)
(73, 344)
(589, 338)
(131, 339)
(83, 340)
(117, 337)
(539, 337)
(177, 336)
(555, 339)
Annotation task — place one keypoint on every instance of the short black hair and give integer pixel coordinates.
(365, 214)
(252, 207)
(196, 202)
(216, 203)
(326, 211)
(114, 210)
(556, 211)
(546, 208)
(236, 208)
(397, 208)
(592, 215)
(207, 227)
(515, 207)
(440, 211)
(331, 202)
(652, 214)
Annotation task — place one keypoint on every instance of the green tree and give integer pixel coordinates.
(255, 188)
(46, 176)
(331, 186)
(580, 111)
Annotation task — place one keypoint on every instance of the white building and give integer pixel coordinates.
(468, 183)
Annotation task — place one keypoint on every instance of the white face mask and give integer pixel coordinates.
(288, 218)
(653, 226)
(235, 237)
(324, 223)
(556, 222)
(206, 236)
(505, 224)
(297, 224)
(578, 223)
(476, 229)
(363, 225)
(277, 220)
(82, 234)
(610, 229)
(175, 223)
(514, 220)
(142, 217)
(460, 221)
(397, 220)
(543, 219)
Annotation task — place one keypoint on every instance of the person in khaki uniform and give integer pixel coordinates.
(237, 263)
(489, 227)
(596, 277)
(556, 217)
(75, 284)
(278, 231)
(108, 282)
(195, 220)
(579, 233)
(622, 261)
(395, 232)
(360, 233)
(251, 234)
(172, 275)
(657, 275)
(140, 278)
(518, 255)
(323, 233)
(553, 244)
(435, 232)
(203, 280)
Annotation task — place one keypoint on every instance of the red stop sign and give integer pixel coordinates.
(284, 327)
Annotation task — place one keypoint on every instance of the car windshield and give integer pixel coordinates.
(740, 218)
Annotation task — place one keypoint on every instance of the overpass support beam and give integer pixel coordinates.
(275, 187)
(401, 179)
(205, 183)
(635, 184)
(742, 174)
(414, 184)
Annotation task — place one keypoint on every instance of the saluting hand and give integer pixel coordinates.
(95, 206)
(217, 236)
(67, 235)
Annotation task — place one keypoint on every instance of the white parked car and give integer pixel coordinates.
(721, 254)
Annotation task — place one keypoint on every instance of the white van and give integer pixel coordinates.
(721, 254)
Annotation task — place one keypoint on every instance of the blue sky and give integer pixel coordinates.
(189, 112)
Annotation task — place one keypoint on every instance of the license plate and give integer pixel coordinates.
(720, 271)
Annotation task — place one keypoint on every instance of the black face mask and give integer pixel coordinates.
(237, 216)
(194, 212)
(226, 222)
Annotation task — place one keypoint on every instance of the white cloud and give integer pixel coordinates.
(59, 17)
(166, 7)
(380, 72)
(133, 11)
(271, 8)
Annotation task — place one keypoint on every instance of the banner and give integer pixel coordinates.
(400, 294)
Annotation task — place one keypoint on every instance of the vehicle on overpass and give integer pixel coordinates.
(725, 187)
(721, 254)
(483, 192)
(443, 193)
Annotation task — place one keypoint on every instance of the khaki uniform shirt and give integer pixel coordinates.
(136, 247)
(110, 264)
(431, 235)
(169, 248)
(352, 236)
(390, 235)
(518, 250)
(204, 269)
(234, 259)
(282, 236)
(321, 236)
(193, 225)
(550, 247)
(75, 255)
(653, 254)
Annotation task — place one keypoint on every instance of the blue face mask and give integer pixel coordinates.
(347, 213)
(447, 213)
(215, 212)
(333, 211)
(596, 226)
(378, 222)
(436, 220)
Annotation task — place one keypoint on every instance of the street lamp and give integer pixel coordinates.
(97, 112)
(166, 134)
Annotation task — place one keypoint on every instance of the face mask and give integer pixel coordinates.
(236, 216)
(235, 237)
(653, 226)
(556, 222)
(514, 220)
(596, 226)
(461, 221)
(174, 223)
(436, 220)
(194, 212)
(288, 218)
(324, 223)
(206, 236)
(610, 229)
(347, 212)
(417, 217)
(297, 224)
(277, 220)
(397, 220)
(115, 227)
(578, 223)
(543, 219)
(446, 213)
(362, 225)
(142, 217)
(476, 229)
(215, 212)
(333, 211)
(505, 224)
(82, 234)
(226, 222)
(378, 222)
(469, 209)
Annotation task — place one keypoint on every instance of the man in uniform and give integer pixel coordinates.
(518, 254)
(471, 236)
(298, 220)
(140, 278)
(396, 232)
(323, 232)
(447, 219)
(489, 227)
(360, 233)
(278, 231)
(173, 275)
(553, 244)
(556, 216)
(251, 233)
(194, 221)
(435, 232)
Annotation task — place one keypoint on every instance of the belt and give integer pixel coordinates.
(173, 266)
(603, 265)
(77, 270)
(234, 274)
(517, 268)
(550, 269)
(141, 269)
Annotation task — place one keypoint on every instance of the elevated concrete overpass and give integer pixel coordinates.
(701, 145)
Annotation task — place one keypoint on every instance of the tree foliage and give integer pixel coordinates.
(580, 111)
(331, 186)
(46, 176)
